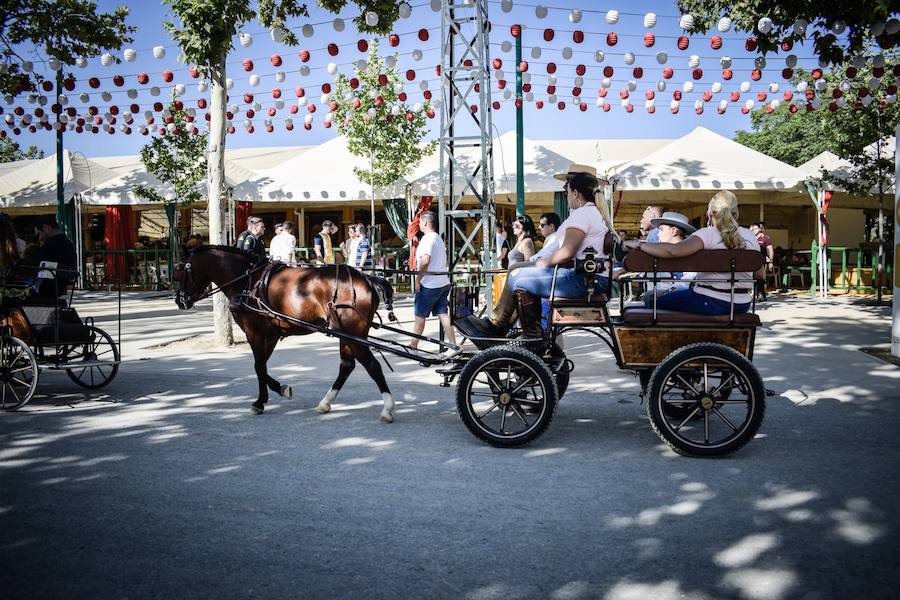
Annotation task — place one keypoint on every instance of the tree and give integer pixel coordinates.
(378, 124)
(62, 29)
(10, 151)
(857, 18)
(204, 31)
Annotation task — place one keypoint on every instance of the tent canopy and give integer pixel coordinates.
(323, 174)
(541, 164)
(34, 184)
(704, 160)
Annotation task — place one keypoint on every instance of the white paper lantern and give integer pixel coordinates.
(171, 127)
(159, 51)
(576, 100)
(506, 5)
(279, 76)
(839, 27)
(575, 15)
(890, 98)
(874, 83)
(551, 98)
(202, 86)
(332, 68)
(632, 85)
(599, 56)
(842, 101)
(723, 104)
(304, 71)
(694, 61)
(716, 87)
(686, 22)
(540, 11)
(845, 86)
(606, 82)
(650, 20)
(878, 60)
(436, 5)
(81, 62)
(245, 39)
(800, 26)
(526, 77)
(398, 88)
(279, 104)
(775, 103)
(566, 53)
(42, 100)
(725, 62)
(84, 97)
(423, 85)
(106, 59)
(371, 18)
(892, 26)
(179, 89)
(745, 87)
(129, 54)
(674, 104)
(254, 80)
(629, 58)
(698, 104)
(802, 86)
(395, 110)
(724, 25)
(324, 98)
(417, 54)
(551, 79)
(759, 62)
(505, 46)
(866, 101)
(662, 58)
(31, 98)
(877, 28)
(599, 101)
(612, 17)
(688, 87)
(302, 101)
(820, 85)
(54, 64)
(390, 61)
(625, 102)
(579, 81)
(764, 25)
(858, 61)
(749, 104)
(107, 97)
(773, 88)
(790, 61)
(132, 93)
(229, 83)
(62, 99)
(661, 85)
(529, 97)
(339, 25)
(362, 65)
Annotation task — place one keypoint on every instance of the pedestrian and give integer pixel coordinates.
(348, 246)
(523, 246)
(765, 246)
(432, 291)
(322, 243)
(548, 224)
(251, 240)
(649, 233)
(363, 248)
(283, 244)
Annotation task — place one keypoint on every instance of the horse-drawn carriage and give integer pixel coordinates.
(704, 396)
(47, 333)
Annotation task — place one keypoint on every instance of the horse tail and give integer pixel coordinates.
(385, 292)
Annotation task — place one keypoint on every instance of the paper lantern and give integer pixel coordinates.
(612, 17)
(394, 40)
(371, 18)
(715, 42)
(247, 64)
(755, 74)
(540, 11)
(106, 59)
(551, 68)
(724, 24)
(548, 35)
(759, 62)
(611, 38)
(580, 70)
(787, 73)
(159, 52)
(650, 20)
(745, 87)
(688, 87)
(118, 81)
(661, 85)
(892, 26)
(638, 72)
(800, 26)
(727, 74)
(683, 42)
(81, 62)
(667, 73)
(167, 75)
(694, 61)
(577, 36)
(143, 78)
(764, 25)
(275, 59)
(649, 40)
(254, 80)
(629, 58)
(202, 86)
(697, 73)
(716, 87)
(303, 55)
(751, 44)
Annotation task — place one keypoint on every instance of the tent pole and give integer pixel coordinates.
(895, 325)
(60, 184)
(520, 133)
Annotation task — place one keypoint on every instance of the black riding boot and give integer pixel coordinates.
(529, 314)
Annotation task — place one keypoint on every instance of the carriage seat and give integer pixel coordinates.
(597, 300)
(645, 315)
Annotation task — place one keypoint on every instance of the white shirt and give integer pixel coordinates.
(432, 245)
(551, 245)
(351, 252)
(712, 240)
(282, 247)
(588, 220)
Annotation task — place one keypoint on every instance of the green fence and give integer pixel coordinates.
(149, 267)
(852, 267)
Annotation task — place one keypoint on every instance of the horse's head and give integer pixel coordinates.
(191, 279)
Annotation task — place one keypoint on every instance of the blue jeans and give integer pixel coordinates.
(687, 300)
(537, 281)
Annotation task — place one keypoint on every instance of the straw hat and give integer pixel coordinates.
(575, 169)
(675, 219)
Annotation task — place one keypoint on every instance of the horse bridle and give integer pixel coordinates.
(184, 274)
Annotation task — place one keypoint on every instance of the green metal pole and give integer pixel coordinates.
(60, 184)
(520, 150)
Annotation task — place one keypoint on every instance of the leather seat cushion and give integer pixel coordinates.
(645, 315)
(597, 300)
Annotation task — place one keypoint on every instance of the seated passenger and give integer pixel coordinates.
(672, 228)
(55, 248)
(723, 232)
(587, 226)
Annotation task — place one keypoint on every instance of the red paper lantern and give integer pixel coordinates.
(410, 74)
(251, 113)
(276, 93)
(751, 44)
(707, 96)
(354, 83)
(515, 30)
(623, 94)
(94, 82)
(629, 108)
(201, 103)
(551, 68)
(382, 80)
(745, 110)
(577, 36)
(735, 96)
(247, 64)
(561, 105)
(118, 80)
(697, 73)
(683, 42)
(326, 88)
(93, 110)
(638, 72)
(601, 93)
(582, 107)
(792, 108)
(787, 73)
(608, 71)
(248, 98)
(19, 111)
(761, 97)
(299, 91)
(787, 45)
(649, 39)
(551, 89)
(402, 97)
(303, 55)
(612, 39)
(275, 60)
(430, 113)
(667, 73)
(497, 63)
(756, 74)
(333, 105)
(878, 72)
(606, 107)
(576, 91)
(501, 84)
(423, 35)
(230, 130)
(810, 95)
(355, 103)
(788, 96)
(167, 76)
(311, 108)
(548, 35)
(715, 42)
(676, 95)
(294, 109)
(852, 72)
(69, 84)
(495, 105)
(394, 40)
(649, 95)
(410, 116)
(896, 70)
(157, 107)
(47, 85)
(832, 106)
(143, 78)
(727, 74)
(699, 110)
(526, 87)
(651, 109)
(816, 73)
(362, 46)
(523, 66)
(193, 71)
(539, 104)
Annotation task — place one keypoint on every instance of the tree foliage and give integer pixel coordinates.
(791, 138)
(858, 15)
(61, 29)
(10, 151)
(176, 159)
(379, 125)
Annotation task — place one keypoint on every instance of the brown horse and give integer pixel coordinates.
(340, 297)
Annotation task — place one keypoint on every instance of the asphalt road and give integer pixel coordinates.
(164, 485)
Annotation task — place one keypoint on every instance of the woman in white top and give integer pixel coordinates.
(723, 232)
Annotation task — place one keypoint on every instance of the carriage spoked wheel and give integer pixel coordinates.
(506, 396)
(721, 393)
(99, 348)
(18, 373)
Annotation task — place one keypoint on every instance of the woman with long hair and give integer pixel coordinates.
(707, 297)
(524, 230)
(9, 250)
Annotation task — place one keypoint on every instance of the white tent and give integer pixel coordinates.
(34, 184)
(323, 173)
(827, 161)
(540, 164)
(704, 160)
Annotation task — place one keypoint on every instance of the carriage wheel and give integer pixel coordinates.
(506, 396)
(722, 393)
(560, 369)
(18, 373)
(101, 347)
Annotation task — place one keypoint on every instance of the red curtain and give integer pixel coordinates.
(244, 211)
(119, 235)
(413, 228)
(824, 219)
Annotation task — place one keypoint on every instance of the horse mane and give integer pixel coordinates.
(228, 249)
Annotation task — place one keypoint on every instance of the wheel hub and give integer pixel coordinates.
(707, 402)
(505, 398)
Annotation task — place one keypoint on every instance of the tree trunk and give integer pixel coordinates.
(215, 179)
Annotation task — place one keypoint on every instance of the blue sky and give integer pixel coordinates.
(547, 123)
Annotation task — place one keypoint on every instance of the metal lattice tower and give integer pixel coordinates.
(465, 137)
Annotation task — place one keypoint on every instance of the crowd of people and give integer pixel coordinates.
(43, 268)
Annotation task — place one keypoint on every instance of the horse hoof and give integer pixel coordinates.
(323, 409)
(287, 392)
(386, 418)
(257, 409)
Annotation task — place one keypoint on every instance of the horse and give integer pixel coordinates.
(339, 297)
